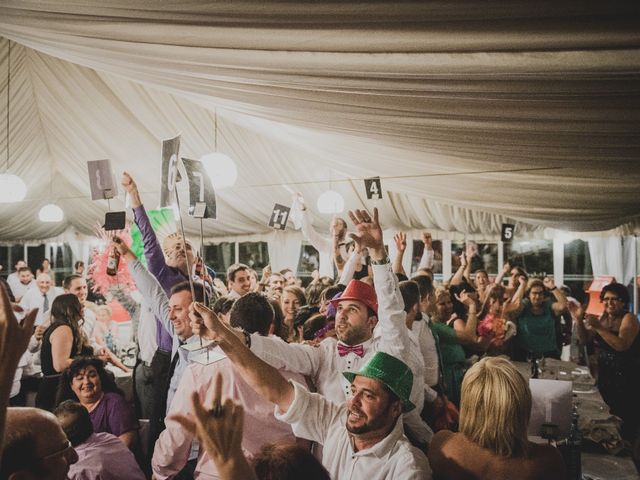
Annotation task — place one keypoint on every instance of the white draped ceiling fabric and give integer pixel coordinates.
(472, 113)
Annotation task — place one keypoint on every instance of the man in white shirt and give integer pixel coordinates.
(239, 280)
(24, 283)
(13, 278)
(362, 439)
(253, 313)
(41, 298)
(359, 309)
(421, 337)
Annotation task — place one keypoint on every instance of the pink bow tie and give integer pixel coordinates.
(345, 349)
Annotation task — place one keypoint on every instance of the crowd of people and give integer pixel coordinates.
(261, 378)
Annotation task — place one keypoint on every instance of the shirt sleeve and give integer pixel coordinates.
(392, 329)
(445, 333)
(152, 249)
(120, 416)
(310, 414)
(349, 269)
(294, 357)
(152, 293)
(318, 241)
(427, 259)
(173, 446)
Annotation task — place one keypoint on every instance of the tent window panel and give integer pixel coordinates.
(254, 254)
(577, 259)
(220, 257)
(535, 256)
(35, 253)
(16, 252)
(309, 261)
(483, 256)
(578, 273)
(418, 249)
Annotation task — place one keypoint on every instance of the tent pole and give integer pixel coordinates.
(635, 276)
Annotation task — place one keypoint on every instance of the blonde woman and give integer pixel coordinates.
(492, 442)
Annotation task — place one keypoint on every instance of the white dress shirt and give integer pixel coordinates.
(155, 296)
(325, 366)
(425, 347)
(18, 288)
(316, 418)
(34, 298)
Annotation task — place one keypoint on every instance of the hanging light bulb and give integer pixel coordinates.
(221, 169)
(51, 213)
(330, 202)
(12, 188)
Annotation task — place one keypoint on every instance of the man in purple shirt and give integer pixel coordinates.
(169, 265)
(100, 455)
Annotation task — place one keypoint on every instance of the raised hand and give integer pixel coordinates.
(122, 248)
(14, 337)
(576, 310)
(401, 241)
(548, 283)
(368, 232)
(131, 188)
(219, 430)
(465, 298)
(128, 183)
(506, 268)
(205, 323)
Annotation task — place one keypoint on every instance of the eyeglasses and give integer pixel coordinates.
(610, 299)
(61, 452)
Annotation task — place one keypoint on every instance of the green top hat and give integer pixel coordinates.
(393, 373)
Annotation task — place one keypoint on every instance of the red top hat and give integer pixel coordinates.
(360, 291)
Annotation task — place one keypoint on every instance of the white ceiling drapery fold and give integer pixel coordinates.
(474, 115)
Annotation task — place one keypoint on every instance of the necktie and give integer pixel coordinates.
(345, 349)
(45, 304)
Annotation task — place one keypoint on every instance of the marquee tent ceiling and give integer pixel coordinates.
(473, 113)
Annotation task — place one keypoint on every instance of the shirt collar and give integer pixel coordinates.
(365, 345)
(383, 448)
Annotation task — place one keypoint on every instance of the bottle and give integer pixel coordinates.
(573, 457)
(113, 261)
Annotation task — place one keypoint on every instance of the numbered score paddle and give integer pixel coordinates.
(279, 216)
(508, 230)
(202, 197)
(373, 187)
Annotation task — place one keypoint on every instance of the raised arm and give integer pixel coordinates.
(428, 255)
(577, 313)
(505, 269)
(468, 334)
(14, 339)
(147, 284)
(350, 265)
(219, 430)
(459, 275)
(318, 242)
(393, 330)
(560, 304)
(622, 341)
(262, 377)
(336, 255)
(152, 249)
(401, 245)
